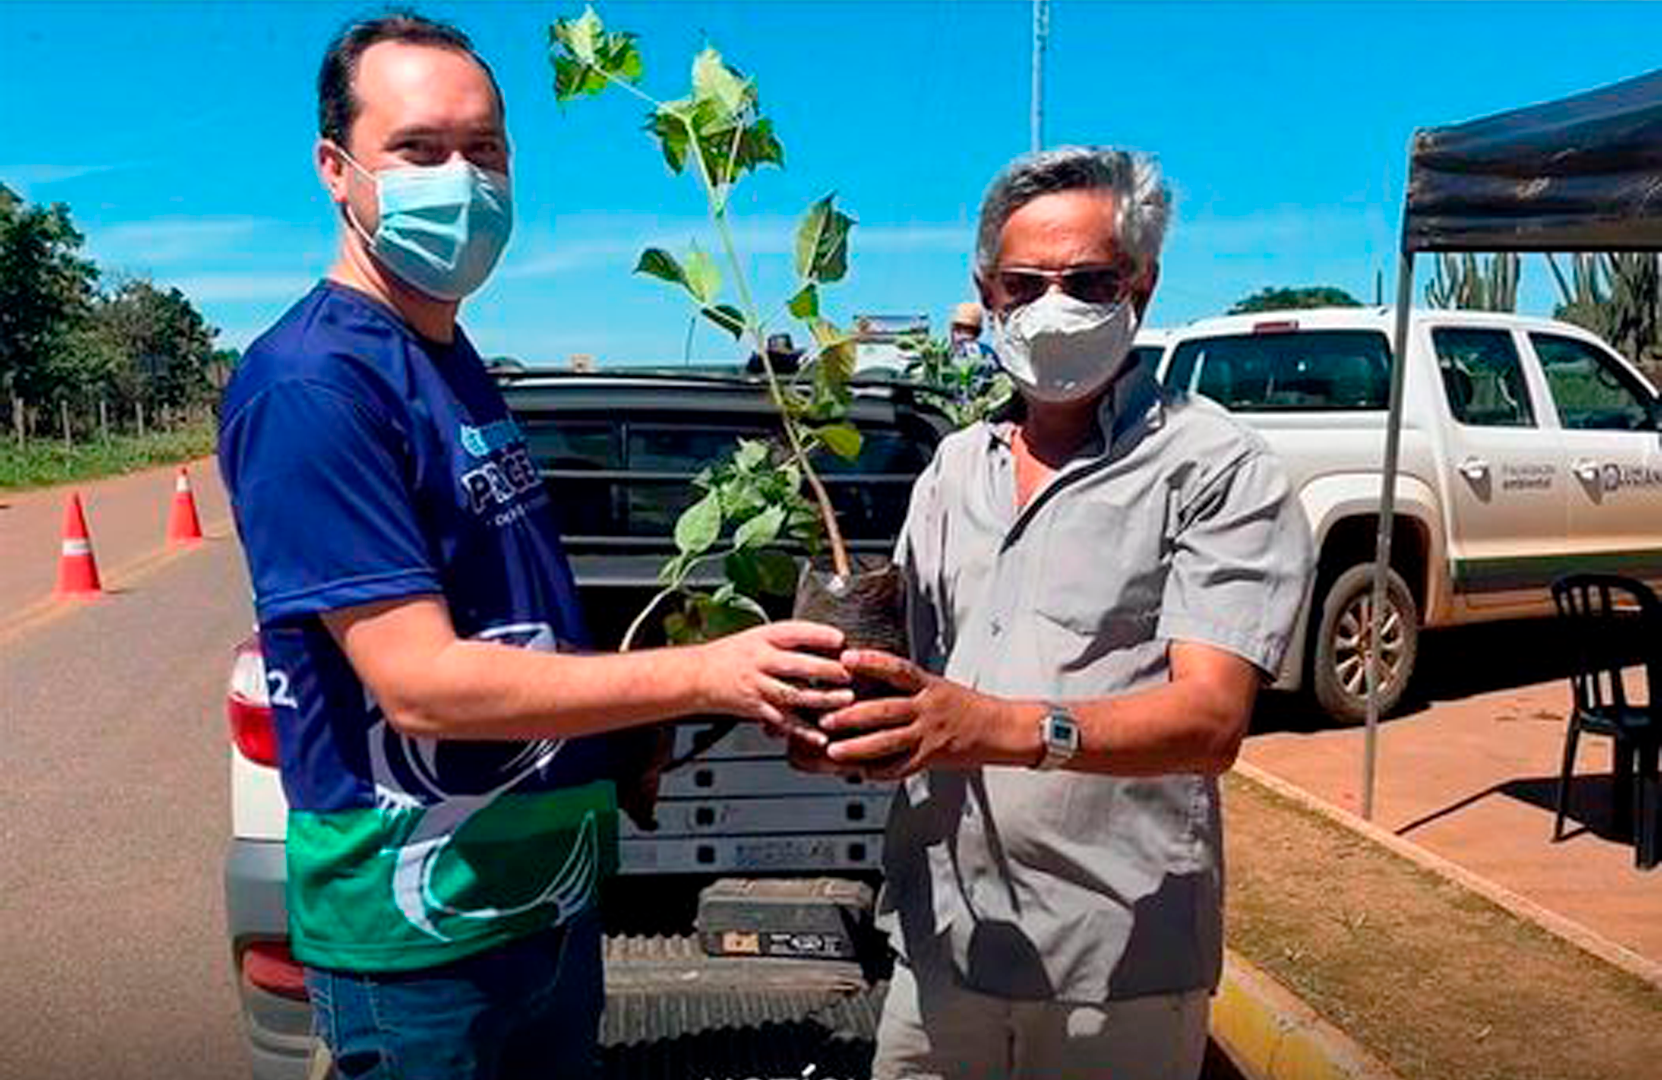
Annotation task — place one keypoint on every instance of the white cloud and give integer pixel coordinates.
(242, 287)
(759, 236)
(1273, 232)
(170, 241)
(957, 238)
(26, 176)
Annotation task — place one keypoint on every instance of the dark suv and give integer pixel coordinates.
(619, 451)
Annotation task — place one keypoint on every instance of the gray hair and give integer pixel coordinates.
(1141, 195)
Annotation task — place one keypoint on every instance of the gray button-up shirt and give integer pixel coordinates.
(1179, 526)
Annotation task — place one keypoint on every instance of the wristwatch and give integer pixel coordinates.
(1059, 735)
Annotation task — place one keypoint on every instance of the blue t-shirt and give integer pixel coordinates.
(366, 463)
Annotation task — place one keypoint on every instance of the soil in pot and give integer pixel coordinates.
(869, 607)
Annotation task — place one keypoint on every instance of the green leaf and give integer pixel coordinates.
(759, 146)
(731, 613)
(751, 454)
(805, 304)
(701, 276)
(699, 526)
(741, 495)
(760, 530)
(841, 439)
(728, 317)
(621, 57)
(834, 367)
(673, 570)
(826, 333)
(776, 572)
(679, 629)
(822, 242)
(715, 82)
(580, 36)
(662, 265)
(568, 78)
(756, 614)
(668, 124)
(743, 571)
(708, 619)
(806, 528)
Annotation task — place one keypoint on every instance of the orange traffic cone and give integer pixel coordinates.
(77, 569)
(183, 526)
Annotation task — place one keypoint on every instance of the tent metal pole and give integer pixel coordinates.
(1387, 510)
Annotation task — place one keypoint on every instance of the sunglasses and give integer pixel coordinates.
(1093, 284)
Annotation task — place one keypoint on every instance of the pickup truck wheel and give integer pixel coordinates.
(1340, 675)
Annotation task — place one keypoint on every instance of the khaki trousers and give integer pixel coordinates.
(942, 1031)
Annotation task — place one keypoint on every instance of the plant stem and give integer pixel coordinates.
(718, 212)
(640, 620)
(629, 86)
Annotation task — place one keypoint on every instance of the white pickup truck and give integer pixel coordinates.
(1530, 448)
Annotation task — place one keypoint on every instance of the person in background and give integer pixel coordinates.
(964, 333)
(975, 360)
(783, 355)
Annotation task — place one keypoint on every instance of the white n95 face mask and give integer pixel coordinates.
(1059, 349)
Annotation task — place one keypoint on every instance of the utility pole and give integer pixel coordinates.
(1041, 31)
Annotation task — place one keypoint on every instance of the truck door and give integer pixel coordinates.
(1506, 486)
(1607, 426)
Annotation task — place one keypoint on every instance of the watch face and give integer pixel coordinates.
(1062, 732)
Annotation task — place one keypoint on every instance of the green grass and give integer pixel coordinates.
(44, 462)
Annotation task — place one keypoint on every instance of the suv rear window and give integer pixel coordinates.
(1306, 371)
(623, 476)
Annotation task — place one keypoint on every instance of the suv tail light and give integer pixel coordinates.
(269, 966)
(248, 706)
(1275, 326)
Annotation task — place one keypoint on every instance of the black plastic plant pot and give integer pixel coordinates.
(868, 606)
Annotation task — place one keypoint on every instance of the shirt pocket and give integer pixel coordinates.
(1100, 582)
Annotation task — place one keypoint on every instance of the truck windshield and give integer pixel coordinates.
(1306, 371)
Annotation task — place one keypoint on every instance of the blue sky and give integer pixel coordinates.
(180, 135)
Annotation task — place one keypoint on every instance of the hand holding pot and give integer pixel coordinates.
(934, 723)
(769, 672)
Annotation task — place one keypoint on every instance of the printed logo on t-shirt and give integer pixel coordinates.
(486, 440)
(496, 485)
(454, 787)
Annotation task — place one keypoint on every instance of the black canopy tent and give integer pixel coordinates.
(1583, 173)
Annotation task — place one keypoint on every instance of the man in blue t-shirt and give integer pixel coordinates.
(438, 718)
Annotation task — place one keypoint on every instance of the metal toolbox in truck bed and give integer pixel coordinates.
(823, 918)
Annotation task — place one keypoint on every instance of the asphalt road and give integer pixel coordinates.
(126, 518)
(113, 819)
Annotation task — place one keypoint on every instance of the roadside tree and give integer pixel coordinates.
(1271, 299)
(47, 291)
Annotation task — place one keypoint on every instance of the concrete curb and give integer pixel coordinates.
(1550, 921)
(1269, 1034)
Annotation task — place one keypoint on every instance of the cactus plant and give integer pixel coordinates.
(1467, 282)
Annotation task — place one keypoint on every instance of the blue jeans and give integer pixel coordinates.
(522, 1011)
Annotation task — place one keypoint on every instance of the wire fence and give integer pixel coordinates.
(73, 424)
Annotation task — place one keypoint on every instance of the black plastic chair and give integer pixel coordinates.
(1615, 622)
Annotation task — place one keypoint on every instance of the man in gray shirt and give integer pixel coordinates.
(1099, 582)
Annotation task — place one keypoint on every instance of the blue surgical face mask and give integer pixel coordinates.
(443, 227)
